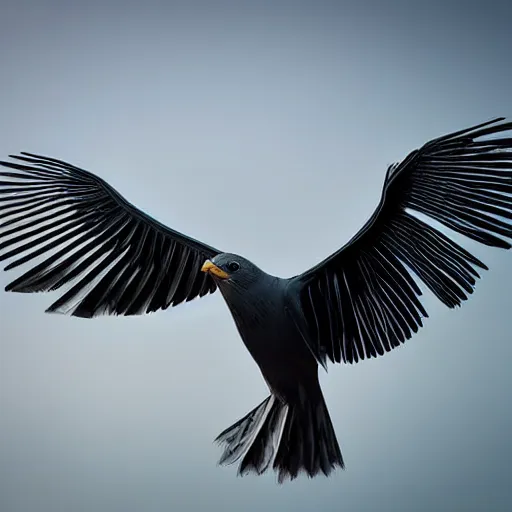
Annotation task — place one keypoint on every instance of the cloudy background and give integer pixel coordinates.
(263, 128)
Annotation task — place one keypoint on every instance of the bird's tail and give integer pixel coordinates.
(289, 437)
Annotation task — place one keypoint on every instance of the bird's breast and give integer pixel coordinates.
(275, 344)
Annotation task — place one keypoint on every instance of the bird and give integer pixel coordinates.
(107, 257)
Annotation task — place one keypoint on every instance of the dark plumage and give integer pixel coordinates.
(360, 302)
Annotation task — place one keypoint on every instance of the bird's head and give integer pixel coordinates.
(242, 285)
(231, 269)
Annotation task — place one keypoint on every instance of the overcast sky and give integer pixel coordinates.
(263, 128)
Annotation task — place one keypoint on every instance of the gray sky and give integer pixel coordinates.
(262, 128)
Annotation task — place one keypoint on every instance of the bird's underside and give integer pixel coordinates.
(76, 234)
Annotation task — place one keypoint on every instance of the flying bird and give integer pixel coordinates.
(109, 258)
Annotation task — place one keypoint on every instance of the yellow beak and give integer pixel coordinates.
(213, 269)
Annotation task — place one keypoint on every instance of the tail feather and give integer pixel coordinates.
(289, 437)
(239, 435)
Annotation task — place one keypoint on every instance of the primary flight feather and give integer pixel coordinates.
(360, 302)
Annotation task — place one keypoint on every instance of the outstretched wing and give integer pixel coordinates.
(362, 301)
(114, 259)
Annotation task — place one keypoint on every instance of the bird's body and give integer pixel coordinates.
(360, 302)
(264, 311)
(261, 311)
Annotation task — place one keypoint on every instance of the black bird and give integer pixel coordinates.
(360, 302)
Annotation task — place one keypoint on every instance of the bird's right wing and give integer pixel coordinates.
(362, 301)
(113, 258)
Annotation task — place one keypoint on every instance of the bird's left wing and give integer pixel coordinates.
(362, 301)
(113, 258)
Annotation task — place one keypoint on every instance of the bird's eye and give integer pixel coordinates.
(233, 266)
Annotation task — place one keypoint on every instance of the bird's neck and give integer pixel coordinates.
(252, 305)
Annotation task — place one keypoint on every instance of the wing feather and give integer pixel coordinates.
(364, 300)
(113, 258)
